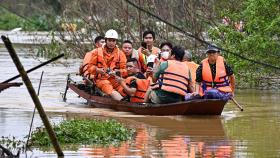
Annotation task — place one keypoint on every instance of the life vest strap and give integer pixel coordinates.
(171, 79)
(165, 84)
(176, 75)
(214, 84)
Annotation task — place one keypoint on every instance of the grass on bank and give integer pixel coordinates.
(84, 132)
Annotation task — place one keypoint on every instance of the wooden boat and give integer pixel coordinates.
(4, 86)
(194, 107)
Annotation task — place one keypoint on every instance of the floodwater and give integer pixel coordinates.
(251, 133)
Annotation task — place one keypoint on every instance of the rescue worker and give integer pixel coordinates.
(108, 60)
(136, 85)
(147, 47)
(214, 76)
(130, 52)
(99, 41)
(172, 78)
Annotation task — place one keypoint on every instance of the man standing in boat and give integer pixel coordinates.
(214, 77)
(105, 60)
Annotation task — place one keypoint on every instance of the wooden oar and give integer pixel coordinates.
(237, 104)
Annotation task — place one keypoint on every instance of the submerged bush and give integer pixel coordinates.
(86, 132)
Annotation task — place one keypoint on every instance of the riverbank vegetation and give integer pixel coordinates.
(84, 132)
(10, 21)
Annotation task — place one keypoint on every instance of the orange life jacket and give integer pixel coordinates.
(85, 65)
(220, 81)
(175, 78)
(113, 62)
(141, 89)
(192, 66)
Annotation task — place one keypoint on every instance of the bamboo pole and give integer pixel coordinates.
(36, 67)
(33, 95)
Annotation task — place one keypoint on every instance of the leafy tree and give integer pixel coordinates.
(258, 41)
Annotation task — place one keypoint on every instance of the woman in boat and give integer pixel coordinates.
(214, 77)
(172, 79)
(165, 51)
(154, 61)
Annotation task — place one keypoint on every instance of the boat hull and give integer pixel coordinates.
(194, 107)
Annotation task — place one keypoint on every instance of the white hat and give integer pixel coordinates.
(111, 34)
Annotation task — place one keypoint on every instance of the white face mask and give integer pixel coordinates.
(165, 55)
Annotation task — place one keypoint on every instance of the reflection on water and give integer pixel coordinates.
(252, 133)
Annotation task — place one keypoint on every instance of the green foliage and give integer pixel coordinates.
(10, 21)
(39, 23)
(84, 132)
(259, 41)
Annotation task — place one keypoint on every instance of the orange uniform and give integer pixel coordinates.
(100, 58)
(220, 82)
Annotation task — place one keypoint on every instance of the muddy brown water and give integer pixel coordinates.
(251, 133)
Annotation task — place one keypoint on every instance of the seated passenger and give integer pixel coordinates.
(193, 67)
(165, 51)
(136, 85)
(215, 77)
(172, 78)
(99, 41)
(130, 53)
